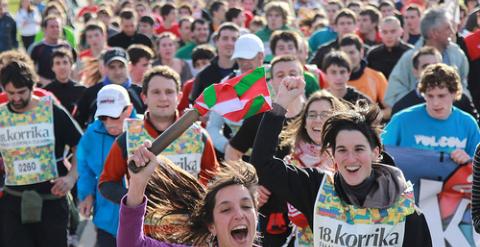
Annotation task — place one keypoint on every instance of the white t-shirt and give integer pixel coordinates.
(28, 24)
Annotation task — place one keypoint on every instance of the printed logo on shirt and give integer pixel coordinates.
(443, 141)
(188, 162)
(334, 233)
(26, 136)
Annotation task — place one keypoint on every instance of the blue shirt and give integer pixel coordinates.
(413, 127)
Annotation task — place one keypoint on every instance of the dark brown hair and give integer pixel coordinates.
(338, 58)
(138, 51)
(62, 52)
(95, 25)
(361, 118)
(284, 36)
(442, 76)
(163, 71)
(351, 39)
(426, 50)
(371, 12)
(345, 13)
(226, 26)
(19, 73)
(127, 14)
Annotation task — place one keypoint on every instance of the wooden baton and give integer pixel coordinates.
(169, 135)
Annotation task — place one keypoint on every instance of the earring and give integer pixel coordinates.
(379, 158)
(212, 240)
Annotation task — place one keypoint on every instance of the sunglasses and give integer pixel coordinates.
(104, 118)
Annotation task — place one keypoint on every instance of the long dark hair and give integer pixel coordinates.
(172, 190)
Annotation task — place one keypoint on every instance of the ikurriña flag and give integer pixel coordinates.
(237, 98)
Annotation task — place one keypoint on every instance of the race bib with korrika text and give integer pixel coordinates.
(186, 151)
(27, 144)
(337, 224)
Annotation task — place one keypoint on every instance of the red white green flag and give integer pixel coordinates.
(238, 98)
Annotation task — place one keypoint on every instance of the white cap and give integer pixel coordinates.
(111, 100)
(247, 46)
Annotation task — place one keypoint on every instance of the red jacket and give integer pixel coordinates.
(116, 163)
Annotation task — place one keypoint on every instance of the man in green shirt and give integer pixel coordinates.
(200, 35)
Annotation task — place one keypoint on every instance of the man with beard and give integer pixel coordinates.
(34, 133)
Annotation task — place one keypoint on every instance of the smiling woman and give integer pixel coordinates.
(223, 214)
(361, 199)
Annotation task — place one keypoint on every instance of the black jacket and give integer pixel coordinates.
(87, 105)
(208, 76)
(300, 186)
(322, 51)
(382, 59)
(124, 41)
(68, 93)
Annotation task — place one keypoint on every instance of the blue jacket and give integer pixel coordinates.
(92, 151)
(8, 33)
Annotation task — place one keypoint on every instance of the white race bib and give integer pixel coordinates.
(334, 233)
(27, 167)
(189, 162)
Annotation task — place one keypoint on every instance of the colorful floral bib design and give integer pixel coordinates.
(186, 151)
(339, 224)
(27, 144)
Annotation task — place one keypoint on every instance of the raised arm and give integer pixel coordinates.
(297, 186)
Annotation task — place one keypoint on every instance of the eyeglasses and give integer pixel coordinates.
(323, 115)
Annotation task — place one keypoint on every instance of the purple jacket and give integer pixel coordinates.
(130, 229)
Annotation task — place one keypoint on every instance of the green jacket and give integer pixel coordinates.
(186, 51)
(68, 34)
(264, 34)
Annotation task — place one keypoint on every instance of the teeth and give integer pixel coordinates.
(242, 227)
(352, 168)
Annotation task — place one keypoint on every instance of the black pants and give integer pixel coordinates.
(105, 239)
(50, 232)
(27, 41)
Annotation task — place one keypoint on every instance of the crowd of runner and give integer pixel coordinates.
(373, 103)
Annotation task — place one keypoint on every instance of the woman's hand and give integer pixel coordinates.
(263, 195)
(141, 157)
(289, 89)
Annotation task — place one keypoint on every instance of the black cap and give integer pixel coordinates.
(115, 54)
